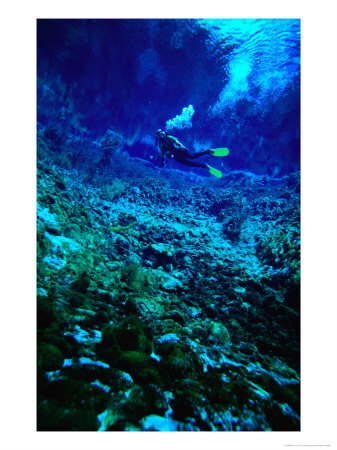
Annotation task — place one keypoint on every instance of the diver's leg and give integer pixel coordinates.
(186, 162)
(198, 154)
(210, 169)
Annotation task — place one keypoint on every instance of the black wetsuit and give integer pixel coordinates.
(170, 146)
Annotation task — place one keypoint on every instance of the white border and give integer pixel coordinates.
(319, 226)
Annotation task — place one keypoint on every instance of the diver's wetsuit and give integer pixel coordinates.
(170, 146)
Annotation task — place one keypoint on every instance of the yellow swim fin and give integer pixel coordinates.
(214, 172)
(219, 151)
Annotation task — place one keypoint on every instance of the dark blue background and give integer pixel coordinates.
(241, 76)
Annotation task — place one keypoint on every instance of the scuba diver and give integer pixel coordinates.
(170, 147)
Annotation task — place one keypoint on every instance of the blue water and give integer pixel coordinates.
(264, 63)
(242, 78)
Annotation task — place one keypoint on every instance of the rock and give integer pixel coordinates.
(219, 335)
(45, 312)
(179, 361)
(171, 284)
(126, 344)
(159, 254)
(176, 316)
(145, 400)
(81, 284)
(159, 423)
(49, 357)
(47, 220)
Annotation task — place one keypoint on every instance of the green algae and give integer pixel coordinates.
(126, 345)
(120, 228)
(50, 357)
(179, 361)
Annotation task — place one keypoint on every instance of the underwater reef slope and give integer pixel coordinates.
(167, 304)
